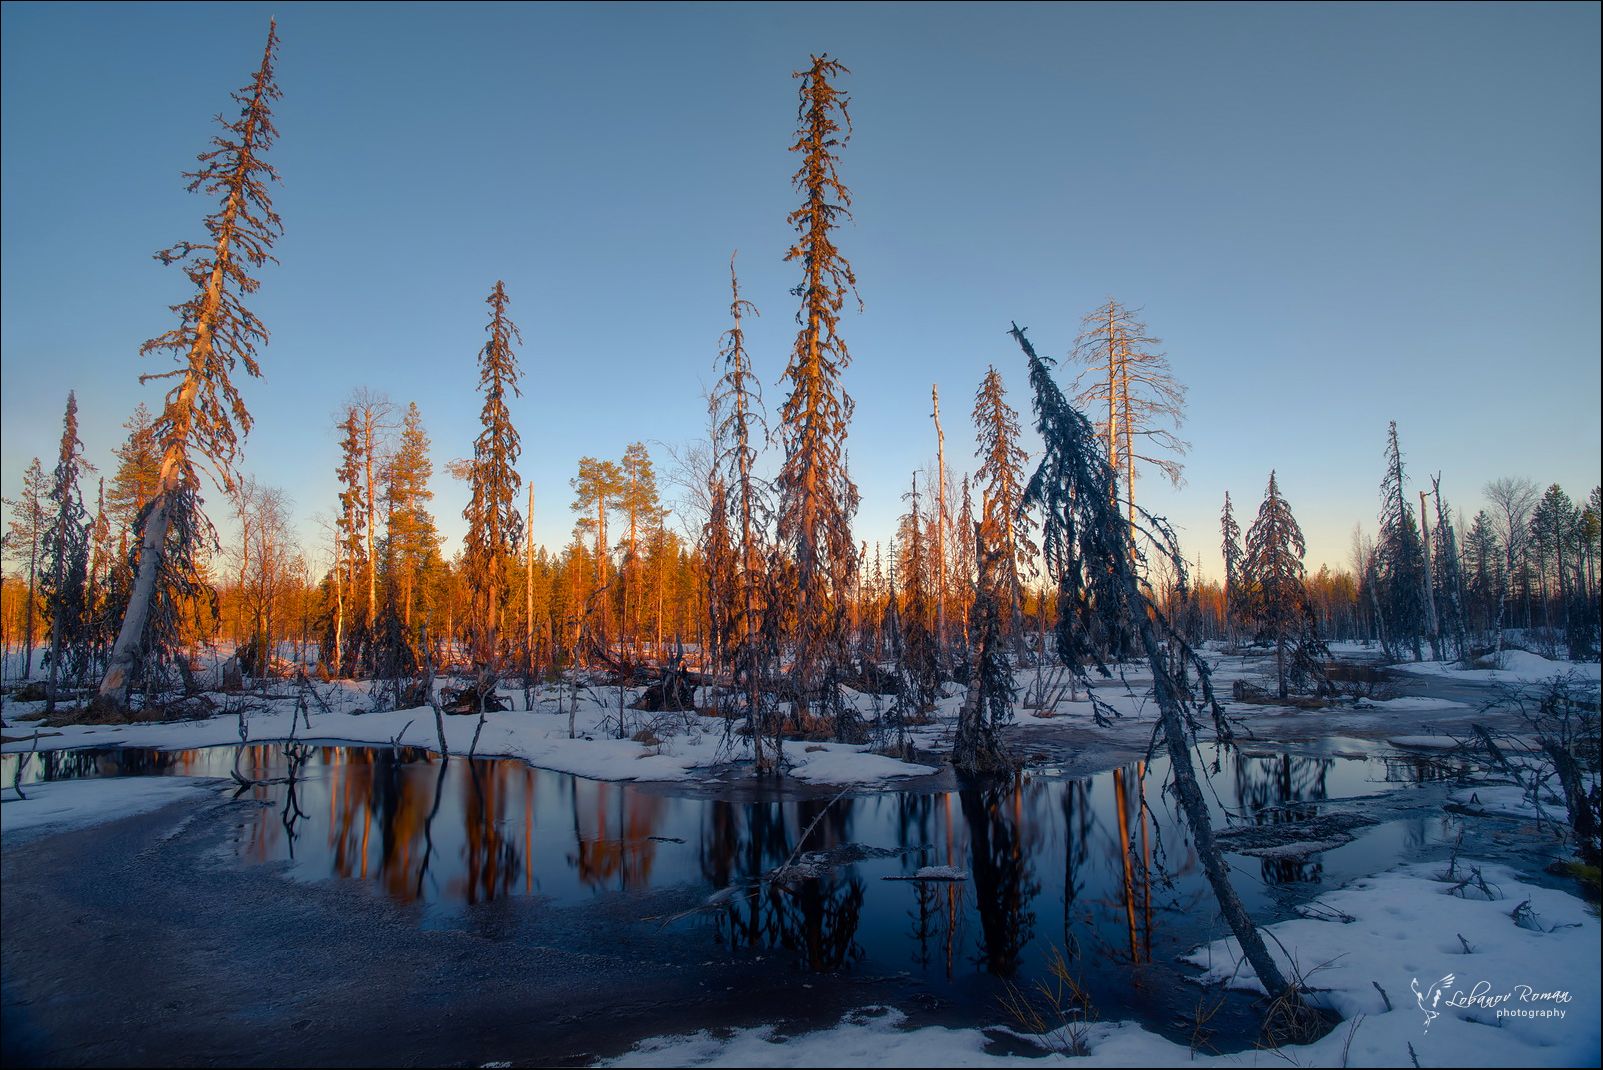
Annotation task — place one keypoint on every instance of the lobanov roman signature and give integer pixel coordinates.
(1514, 1003)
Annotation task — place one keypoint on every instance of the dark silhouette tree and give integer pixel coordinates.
(64, 548)
(1235, 592)
(1091, 551)
(1272, 573)
(1400, 557)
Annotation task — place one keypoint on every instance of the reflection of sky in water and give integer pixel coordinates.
(1073, 864)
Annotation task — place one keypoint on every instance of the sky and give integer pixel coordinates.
(1332, 217)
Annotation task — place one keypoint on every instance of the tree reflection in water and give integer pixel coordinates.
(1269, 791)
(452, 835)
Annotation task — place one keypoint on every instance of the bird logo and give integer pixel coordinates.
(1429, 998)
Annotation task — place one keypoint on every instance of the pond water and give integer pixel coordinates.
(1098, 869)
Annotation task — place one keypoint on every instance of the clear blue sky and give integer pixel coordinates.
(1333, 217)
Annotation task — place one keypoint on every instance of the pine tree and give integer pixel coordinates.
(1272, 572)
(1400, 556)
(596, 490)
(817, 499)
(65, 552)
(414, 542)
(26, 529)
(1483, 565)
(1230, 532)
(138, 472)
(494, 524)
(1008, 528)
(204, 416)
(641, 505)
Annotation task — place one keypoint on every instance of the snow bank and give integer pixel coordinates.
(1518, 666)
(678, 747)
(68, 804)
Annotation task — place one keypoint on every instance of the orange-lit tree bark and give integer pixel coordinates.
(817, 499)
(204, 416)
(1133, 383)
(598, 486)
(26, 530)
(494, 525)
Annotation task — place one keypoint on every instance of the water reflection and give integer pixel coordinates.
(1101, 867)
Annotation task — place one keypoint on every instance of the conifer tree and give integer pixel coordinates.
(1400, 556)
(414, 542)
(639, 501)
(1230, 532)
(65, 552)
(1272, 571)
(1483, 566)
(919, 662)
(738, 420)
(494, 525)
(26, 529)
(817, 499)
(138, 472)
(1001, 476)
(596, 490)
(203, 416)
(1448, 576)
(350, 638)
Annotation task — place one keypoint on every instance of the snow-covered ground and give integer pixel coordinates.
(1517, 667)
(70, 804)
(1521, 988)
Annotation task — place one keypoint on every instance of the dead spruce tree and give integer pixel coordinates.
(817, 498)
(203, 416)
(1230, 548)
(738, 421)
(1092, 552)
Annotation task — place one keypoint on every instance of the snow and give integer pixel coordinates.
(1518, 666)
(1523, 992)
(1508, 800)
(70, 804)
(1417, 702)
(689, 744)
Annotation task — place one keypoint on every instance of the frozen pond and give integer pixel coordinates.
(1099, 869)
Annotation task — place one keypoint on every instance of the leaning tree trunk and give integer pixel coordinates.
(1196, 811)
